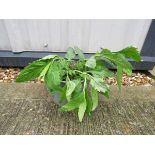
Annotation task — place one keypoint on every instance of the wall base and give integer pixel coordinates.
(10, 59)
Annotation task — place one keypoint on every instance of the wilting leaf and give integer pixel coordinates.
(45, 70)
(32, 71)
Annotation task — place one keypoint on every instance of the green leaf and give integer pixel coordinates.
(70, 88)
(80, 65)
(70, 53)
(89, 102)
(94, 95)
(80, 53)
(100, 59)
(91, 62)
(64, 64)
(78, 87)
(131, 52)
(116, 58)
(128, 71)
(101, 70)
(119, 75)
(82, 108)
(53, 76)
(109, 62)
(43, 73)
(99, 65)
(97, 84)
(102, 73)
(63, 94)
(32, 71)
(74, 103)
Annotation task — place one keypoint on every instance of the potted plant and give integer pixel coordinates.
(76, 83)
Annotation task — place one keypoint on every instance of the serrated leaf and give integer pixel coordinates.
(32, 71)
(74, 103)
(131, 52)
(94, 95)
(119, 75)
(91, 62)
(102, 73)
(70, 53)
(80, 53)
(97, 84)
(70, 88)
(116, 58)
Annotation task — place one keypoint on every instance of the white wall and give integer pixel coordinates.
(90, 35)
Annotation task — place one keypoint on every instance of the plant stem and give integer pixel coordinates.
(85, 80)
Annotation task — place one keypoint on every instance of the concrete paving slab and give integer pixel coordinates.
(28, 109)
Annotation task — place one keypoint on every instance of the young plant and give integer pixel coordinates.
(79, 81)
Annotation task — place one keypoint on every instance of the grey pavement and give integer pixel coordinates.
(28, 109)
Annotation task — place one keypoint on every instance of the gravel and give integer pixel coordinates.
(8, 75)
(136, 79)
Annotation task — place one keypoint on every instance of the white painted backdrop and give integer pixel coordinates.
(58, 34)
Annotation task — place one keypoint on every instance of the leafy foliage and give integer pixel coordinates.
(79, 82)
(74, 103)
(91, 63)
(131, 52)
(70, 53)
(99, 85)
(70, 88)
(32, 71)
(118, 58)
(82, 109)
(79, 52)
